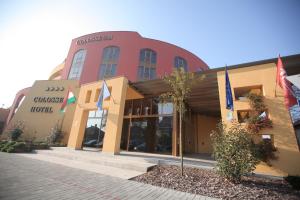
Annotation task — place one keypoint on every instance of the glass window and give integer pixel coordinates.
(165, 108)
(110, 57)
(77, 65)
(149, 134)
(180, 62)
(95, 128)
(147, 65)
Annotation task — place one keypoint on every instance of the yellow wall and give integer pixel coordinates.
(205, 125)
(288, 161)
(39, 124)
(197, 133)
(88, 97)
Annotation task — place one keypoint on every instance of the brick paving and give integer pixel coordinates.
(29, 179)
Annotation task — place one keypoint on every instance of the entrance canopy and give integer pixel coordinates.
(204, 97)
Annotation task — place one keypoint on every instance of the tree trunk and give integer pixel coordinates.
(180, 138)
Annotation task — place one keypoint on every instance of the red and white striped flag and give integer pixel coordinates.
(289, 98)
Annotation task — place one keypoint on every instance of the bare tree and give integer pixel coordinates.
(181, 84)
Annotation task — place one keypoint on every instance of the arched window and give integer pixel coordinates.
(180, 62)
(147, 65)
(110, 57)
(77, 65)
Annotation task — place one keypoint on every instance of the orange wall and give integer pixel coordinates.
(288, 161)
(88, 97)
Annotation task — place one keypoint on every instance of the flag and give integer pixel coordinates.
(263, 115)
(69, 98)
(229, 100)
(104, 94)
(289, 98)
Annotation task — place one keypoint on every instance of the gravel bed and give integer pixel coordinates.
(209, 183)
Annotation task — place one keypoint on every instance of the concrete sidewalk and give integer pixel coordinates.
(126, 165)
(25, 178)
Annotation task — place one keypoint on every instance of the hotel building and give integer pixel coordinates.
(133, 118)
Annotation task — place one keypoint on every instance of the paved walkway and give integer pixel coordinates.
(29, 179)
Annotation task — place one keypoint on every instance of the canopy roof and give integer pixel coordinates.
(204, 97)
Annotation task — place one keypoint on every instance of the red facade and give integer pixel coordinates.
(130, 45)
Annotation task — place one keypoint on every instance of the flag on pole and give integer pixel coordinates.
(281, 80)
(229, 100)
(263, 115)
(69, 98)
(104, 94)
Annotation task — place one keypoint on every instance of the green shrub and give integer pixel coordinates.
(15, 147)
(266, 151)
(234, 151)
(7, 145)
(40, 145)
(55, 136)
(15, 130)
(15, 134)
(2, 144)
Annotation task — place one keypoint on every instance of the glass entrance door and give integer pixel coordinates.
(95, 129)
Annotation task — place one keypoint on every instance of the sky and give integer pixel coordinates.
(35, 35)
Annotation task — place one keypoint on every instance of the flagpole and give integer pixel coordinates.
(276, 76)
(100, 127)
(62, 121)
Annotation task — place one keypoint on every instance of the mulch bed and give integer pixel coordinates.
(209, 183)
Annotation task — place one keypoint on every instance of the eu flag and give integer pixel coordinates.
(229, 100)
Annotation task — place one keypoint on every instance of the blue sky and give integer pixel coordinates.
(35, 35)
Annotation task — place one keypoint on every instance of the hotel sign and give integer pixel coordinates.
(47, 100)
(96, 38)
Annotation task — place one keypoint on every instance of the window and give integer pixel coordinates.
(180, 62)
(108, 67)
(77, 65)
(240, 93)
(95, 128)
(243, 115)
(147, 65)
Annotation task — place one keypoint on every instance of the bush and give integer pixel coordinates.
(255, 123)
(40, 145)
(55, 135)
(234, 151)
(4, 145)
(15, 134)
(266, 151)
(15, 130)
(15, 147)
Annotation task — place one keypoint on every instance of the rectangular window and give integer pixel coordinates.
(140, 72)
(240, 93)
(243, 115)
(88, 96)
(146, 73)
(165, 108)
(102, 71)
(152, 73)
(153, 58)
(142, 56)
(97, 95)
(113, 69)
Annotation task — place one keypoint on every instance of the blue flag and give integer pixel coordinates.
(229, 100)
(104, 94)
